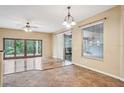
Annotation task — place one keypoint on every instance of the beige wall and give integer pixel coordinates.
(1, 69)
(46, 37)
(111, 61)
(122, 43)
(112, 43)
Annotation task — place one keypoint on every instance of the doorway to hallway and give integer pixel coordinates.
(68, 46)
(62, 48)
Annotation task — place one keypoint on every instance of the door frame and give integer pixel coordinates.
(64, 43)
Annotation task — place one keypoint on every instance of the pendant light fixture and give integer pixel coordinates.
(69, 20)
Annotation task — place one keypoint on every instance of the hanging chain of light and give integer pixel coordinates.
(69, 20)
(27, 27)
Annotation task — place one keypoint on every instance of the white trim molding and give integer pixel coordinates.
(108, 74)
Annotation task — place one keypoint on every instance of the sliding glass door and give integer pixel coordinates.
(21, 48)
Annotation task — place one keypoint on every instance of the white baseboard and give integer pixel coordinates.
(122, 79)
(116, 77)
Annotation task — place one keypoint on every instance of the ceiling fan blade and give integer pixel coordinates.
(34, 26)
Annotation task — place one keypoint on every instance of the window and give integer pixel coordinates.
(30, 47)
(38, 47)
(9, 48)
(18, 48)
(93, 41)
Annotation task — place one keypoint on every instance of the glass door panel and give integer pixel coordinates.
(20, 50)
(9, 48)
(38, 47)
(30, 49)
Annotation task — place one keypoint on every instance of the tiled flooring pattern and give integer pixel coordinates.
(67, 76)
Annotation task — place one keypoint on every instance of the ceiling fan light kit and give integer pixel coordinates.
(27, 28)
(69, 19)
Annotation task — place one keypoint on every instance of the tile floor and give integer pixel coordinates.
(38, 72)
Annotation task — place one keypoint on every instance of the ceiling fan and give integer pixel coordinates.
(28, 27)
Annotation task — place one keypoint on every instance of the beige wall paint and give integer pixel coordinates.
(46, 37)
(111, 61)
(112, 43)
(122, 43)
(1, 69)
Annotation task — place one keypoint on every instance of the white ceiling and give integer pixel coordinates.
(48, 18)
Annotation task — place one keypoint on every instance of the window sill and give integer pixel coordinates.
(93, 58)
